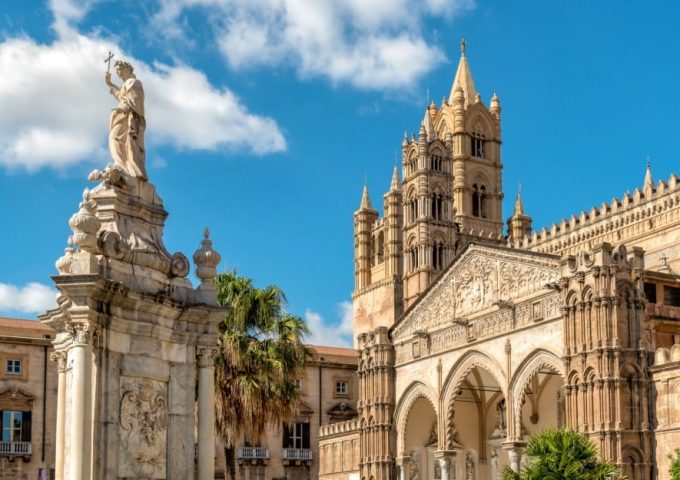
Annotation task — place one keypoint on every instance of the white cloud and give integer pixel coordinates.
(55, 104)
(32, 298)
(377, 44)
(337, 334)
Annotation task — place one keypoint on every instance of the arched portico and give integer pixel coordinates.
(416, 420)
(538, 399)
(476, 417)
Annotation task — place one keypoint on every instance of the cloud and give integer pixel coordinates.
(370, 45)
(55, 103)
(333, 334)
(32, 298)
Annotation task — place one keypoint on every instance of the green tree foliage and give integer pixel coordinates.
(675, 464)
(562, 455)
(261, 354)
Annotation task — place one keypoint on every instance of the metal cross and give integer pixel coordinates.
(108, 60)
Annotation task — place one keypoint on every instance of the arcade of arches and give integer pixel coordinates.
(470, 439)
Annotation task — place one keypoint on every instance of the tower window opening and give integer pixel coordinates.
(438, 255)
(413, 258)
(380, 248)
(436, 162)
(477, 145)
(437, 207)
(479, 201)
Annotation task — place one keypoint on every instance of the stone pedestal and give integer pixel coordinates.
(132, 329)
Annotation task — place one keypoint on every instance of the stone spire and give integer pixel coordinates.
(365, 200)
(395, 185)
(429, 126)
(519, 225)
(519, 207)
(463, 79)
(649, 179)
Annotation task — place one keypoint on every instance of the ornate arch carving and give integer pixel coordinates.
(414, 392)
(456, 377)
(528, 368)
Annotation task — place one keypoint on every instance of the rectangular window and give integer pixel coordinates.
(671, 296)
(341, 388)
(13, 367)
(14, 426)
(650, 292)
(296, 435)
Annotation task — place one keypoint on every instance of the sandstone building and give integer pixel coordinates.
(28, 386)
(472, 339)
(329, 393)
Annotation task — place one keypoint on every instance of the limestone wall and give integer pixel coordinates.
(339, 451)
(665, 377)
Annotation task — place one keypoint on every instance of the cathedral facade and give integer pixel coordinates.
(472, 337)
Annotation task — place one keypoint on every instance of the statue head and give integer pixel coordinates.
(124, 69)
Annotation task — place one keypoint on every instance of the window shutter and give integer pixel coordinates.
(305, 435)
(26, 426)
(286, 435)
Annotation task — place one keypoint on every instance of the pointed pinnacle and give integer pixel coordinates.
(395, 185)
(366, 200)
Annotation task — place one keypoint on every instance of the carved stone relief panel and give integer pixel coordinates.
(482, 277)
(143, 428)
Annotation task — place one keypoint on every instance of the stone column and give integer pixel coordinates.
(79, 423)
(60, 358)
(206, 413)
(444, 464)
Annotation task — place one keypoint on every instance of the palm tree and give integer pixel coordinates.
(260, 356)
(565, 455)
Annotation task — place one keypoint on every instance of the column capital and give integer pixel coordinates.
(81, 333)
(60, 358)
(205, 356)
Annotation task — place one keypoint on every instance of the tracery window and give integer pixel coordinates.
(437, 206)
(438, 255)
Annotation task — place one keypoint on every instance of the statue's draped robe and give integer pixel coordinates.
(126, 140)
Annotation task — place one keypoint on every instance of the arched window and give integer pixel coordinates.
(381, 247)
(477, 141)
(437, 206)
(438, 255)
(436, 163)
(479, 201)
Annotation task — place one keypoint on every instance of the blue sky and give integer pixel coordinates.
(265, 116)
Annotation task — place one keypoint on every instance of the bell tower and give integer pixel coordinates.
(477, 167)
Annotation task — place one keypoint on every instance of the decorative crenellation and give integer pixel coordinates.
(338, 428)
(611, 222)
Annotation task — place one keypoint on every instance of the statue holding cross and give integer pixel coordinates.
(127, 123)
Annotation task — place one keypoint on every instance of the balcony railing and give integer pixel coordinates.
(15, 448)
(253, 453)
(297, 454)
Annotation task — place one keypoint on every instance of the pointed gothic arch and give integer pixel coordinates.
(520, 383)
(414, 392)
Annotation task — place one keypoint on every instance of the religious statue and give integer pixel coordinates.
(127, 124)
(495, 465)
(470, 467)
(500, 429)
(414, 473)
